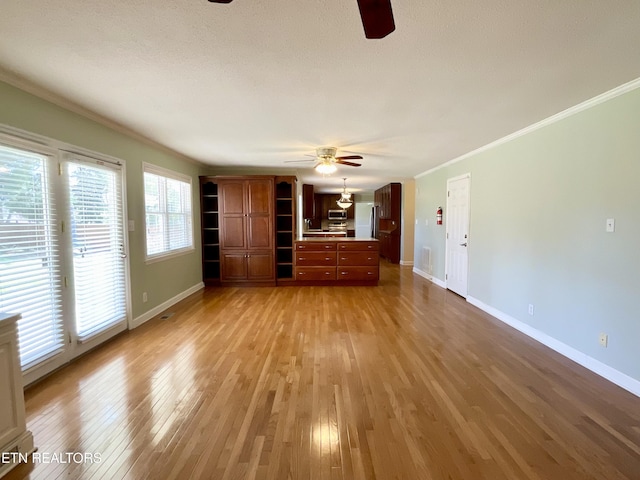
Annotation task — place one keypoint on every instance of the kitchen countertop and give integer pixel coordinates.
(336, 239)
(323, 232)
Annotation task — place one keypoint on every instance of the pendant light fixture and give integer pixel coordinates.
(345, 198)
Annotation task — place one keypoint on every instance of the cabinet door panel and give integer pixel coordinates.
(233, 232)
(232, 197)
(260, 197)
(260, 266)
(234, 266)
(260, 233)
(308, 205)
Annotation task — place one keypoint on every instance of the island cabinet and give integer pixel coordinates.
(247, 247)
(344, 262)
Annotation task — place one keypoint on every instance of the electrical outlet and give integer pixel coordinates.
(531, 309)
(144, 297)
(603, 339)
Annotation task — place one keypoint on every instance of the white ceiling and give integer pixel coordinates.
(257, 83)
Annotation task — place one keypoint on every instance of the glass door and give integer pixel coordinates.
(63, 260)
(94, 195)
(30, 261)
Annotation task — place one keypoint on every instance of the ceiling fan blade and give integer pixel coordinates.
(350, 157)
(351, 164)
(221, 1)
(377, 18)
(306, 160)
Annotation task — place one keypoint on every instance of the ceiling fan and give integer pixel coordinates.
(326, 160)
(376, 15)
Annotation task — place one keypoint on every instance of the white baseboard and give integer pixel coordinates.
(431, 278)
(621, 379)
(148, 315)
(408, 263)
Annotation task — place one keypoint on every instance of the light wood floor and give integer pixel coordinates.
(400, 381)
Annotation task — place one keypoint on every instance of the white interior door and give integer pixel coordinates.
(457, 242)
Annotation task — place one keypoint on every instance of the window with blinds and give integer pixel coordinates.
(94, 193)
(30, 280)
(168, 219)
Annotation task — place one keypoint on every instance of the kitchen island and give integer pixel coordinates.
(337, 261)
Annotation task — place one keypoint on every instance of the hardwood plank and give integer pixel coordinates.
(404, 380)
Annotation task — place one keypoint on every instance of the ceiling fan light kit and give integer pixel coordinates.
(325, 167)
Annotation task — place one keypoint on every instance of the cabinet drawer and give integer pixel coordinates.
(358, 258)
(316, 246)
(358, 273)
(315, 273)
(369, 246)
(315, 259)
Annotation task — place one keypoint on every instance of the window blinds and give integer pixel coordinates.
(169, 227)
(30, 254)
(95, 202)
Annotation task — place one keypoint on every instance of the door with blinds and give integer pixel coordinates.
(62, 252)
(94, 199)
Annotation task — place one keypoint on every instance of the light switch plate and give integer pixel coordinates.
(611, 224)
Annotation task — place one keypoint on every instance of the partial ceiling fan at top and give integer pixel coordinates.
(376, 15)
(327, 160)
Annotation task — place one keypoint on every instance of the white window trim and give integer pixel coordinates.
(164, 172)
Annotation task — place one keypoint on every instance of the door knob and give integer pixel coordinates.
(463, 244)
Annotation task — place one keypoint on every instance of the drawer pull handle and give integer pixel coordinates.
(344, 273)
(327, 273)
(369, 273)
(327, 246)
(369, 258)
(302, 258)
(327, 258)
(301, 273)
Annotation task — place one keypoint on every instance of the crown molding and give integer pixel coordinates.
(592, 102)
(36, 90)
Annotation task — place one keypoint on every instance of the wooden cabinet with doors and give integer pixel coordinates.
(247, 247)
(388, 200)
(308, 202)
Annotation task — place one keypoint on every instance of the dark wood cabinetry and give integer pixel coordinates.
(210, 230)
(308, 202)
(246, 229)
(388, 202)
(346, 262)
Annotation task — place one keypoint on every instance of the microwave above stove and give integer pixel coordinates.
(337, 214)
